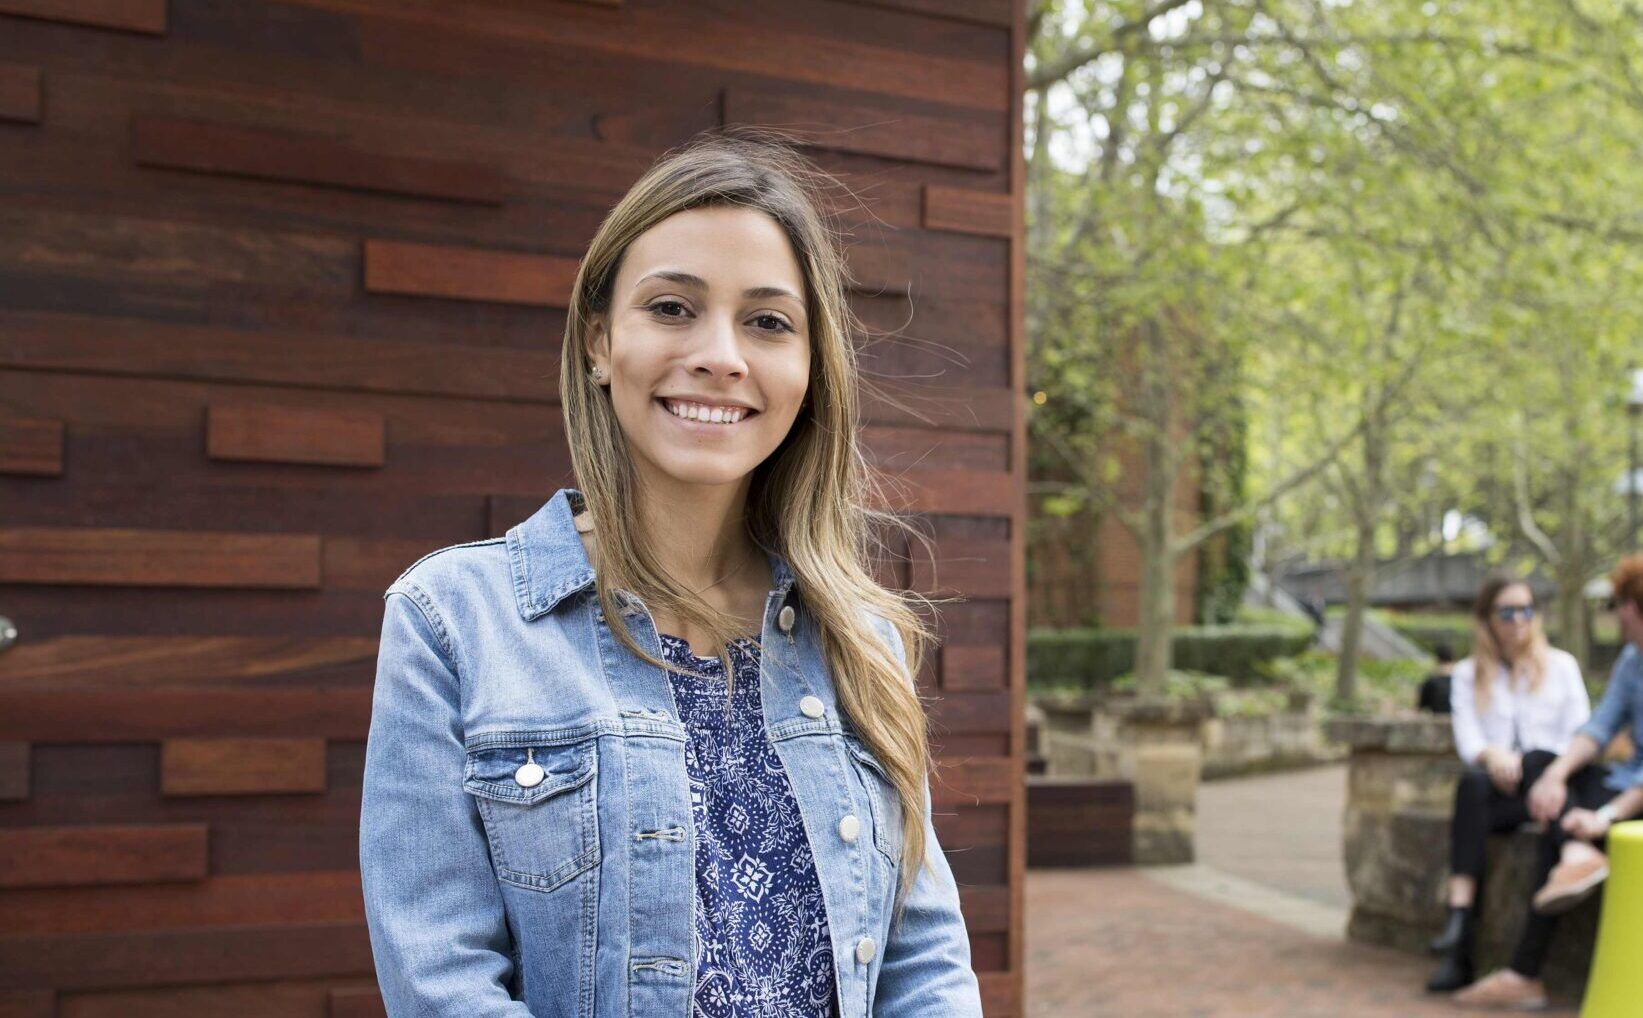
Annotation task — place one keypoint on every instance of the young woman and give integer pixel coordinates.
(658, 751)
(1516, 704)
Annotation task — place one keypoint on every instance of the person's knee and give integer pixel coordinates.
(1474, 785)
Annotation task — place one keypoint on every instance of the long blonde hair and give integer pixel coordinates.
(813, 500)
(1487, 654)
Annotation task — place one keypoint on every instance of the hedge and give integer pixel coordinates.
(1091, 658)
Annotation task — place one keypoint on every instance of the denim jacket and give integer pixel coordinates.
(568, 891)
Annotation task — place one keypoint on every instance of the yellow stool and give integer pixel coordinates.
(1615, 986)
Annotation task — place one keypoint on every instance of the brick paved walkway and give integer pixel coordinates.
(1254, 932)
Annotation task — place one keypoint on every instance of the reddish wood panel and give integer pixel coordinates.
(146, 16)
(957, 492)
(986, 909)
(153, 558)
(244, 151)
(273, 998)
(974, 781)
(965, 211)
(143, 349)
(465, 273)
(28, 1004)
(14, 770)
(31, 445)
(241, 766)
(965, 568)
(157, 958)
(1079, 823)
(145, 662)
(962, 141)
(995, 13)
(219, 900)
(364, 1001)
(999, 994)
(290, 434)
(80, 715)
(101, 854)
(973, 668)
(19, 92)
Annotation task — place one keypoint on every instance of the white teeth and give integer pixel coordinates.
(698, 412)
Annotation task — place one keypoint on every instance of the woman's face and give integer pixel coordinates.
(706, 347)
(1512, 633)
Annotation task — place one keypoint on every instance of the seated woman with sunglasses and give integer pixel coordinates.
(1516, 702)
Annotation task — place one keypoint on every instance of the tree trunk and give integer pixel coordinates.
(1360, 577)
(1153, 650)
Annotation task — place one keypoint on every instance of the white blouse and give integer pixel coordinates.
(1517, 719)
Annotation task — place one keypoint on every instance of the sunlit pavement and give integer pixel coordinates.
(1253, 930)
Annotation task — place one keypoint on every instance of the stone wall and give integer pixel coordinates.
(1400, 795)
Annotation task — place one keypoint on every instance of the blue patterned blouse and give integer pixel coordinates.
(761, 926)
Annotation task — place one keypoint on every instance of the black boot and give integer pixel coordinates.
(1453, 973)
(1455, 945)
(1454, 930)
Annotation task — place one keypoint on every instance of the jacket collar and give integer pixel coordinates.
(549, 562)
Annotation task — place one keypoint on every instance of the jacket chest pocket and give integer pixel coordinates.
(883, 800)
(540, 808)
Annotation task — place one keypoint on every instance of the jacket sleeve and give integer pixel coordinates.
(1614, 710)
(432, 904)
(926, 968)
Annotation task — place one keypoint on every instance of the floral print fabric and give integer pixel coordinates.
(763, 948)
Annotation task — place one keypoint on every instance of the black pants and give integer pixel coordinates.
(1482, 809)
(1587, 790)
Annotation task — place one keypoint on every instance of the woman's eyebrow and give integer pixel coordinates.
(755, 293)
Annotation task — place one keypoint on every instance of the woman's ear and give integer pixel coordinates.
(596, 343)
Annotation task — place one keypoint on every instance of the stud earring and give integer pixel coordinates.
(598, 373)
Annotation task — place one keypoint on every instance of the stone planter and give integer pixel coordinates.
(1161, 754)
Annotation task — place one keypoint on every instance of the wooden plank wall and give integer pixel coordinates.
(281, 292)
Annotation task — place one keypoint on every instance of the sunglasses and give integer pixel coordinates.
(1509, 612)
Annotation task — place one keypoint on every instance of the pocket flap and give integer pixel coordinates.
(492, 772)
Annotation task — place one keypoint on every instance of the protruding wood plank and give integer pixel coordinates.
(127, 715)
(468, 273)
(158, 558)
(359, 1001)
(31, 445)
(974, 781)
(287, 434)
(102, 854)
(300, 896)
(130, 15)
(954, 492)
(962, 211)
(968, 143)
(306, 159)
(965, 409)
(96, 662)
(962, 712)
(964, 567)
(241, 766)
(14, 770)
(19, 93)
(973, 669)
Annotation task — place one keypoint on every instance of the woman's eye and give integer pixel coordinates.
(773, 323)
(666, 309)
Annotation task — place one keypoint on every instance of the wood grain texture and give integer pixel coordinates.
(28, 1004)
(973, 668)
(993, 13)
(147, 16)
(964, 568)
(360, 1002)
(955, 492)
(261, 153)
(30, 445)
(963, 211)
(465, 273)
(101, 854)
(217, 900)
(79, 715)
(117, 960)
(872, 130)
(241, 766)
(14, 770)
(19, 92)
(292, 434)
(263, 998)
(157, 558)
(143, 662)
(974, 781)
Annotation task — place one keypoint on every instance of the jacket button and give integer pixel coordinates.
(529, 775)
(811, 707)
(784, 618)
(864, 950)
(849, 827)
